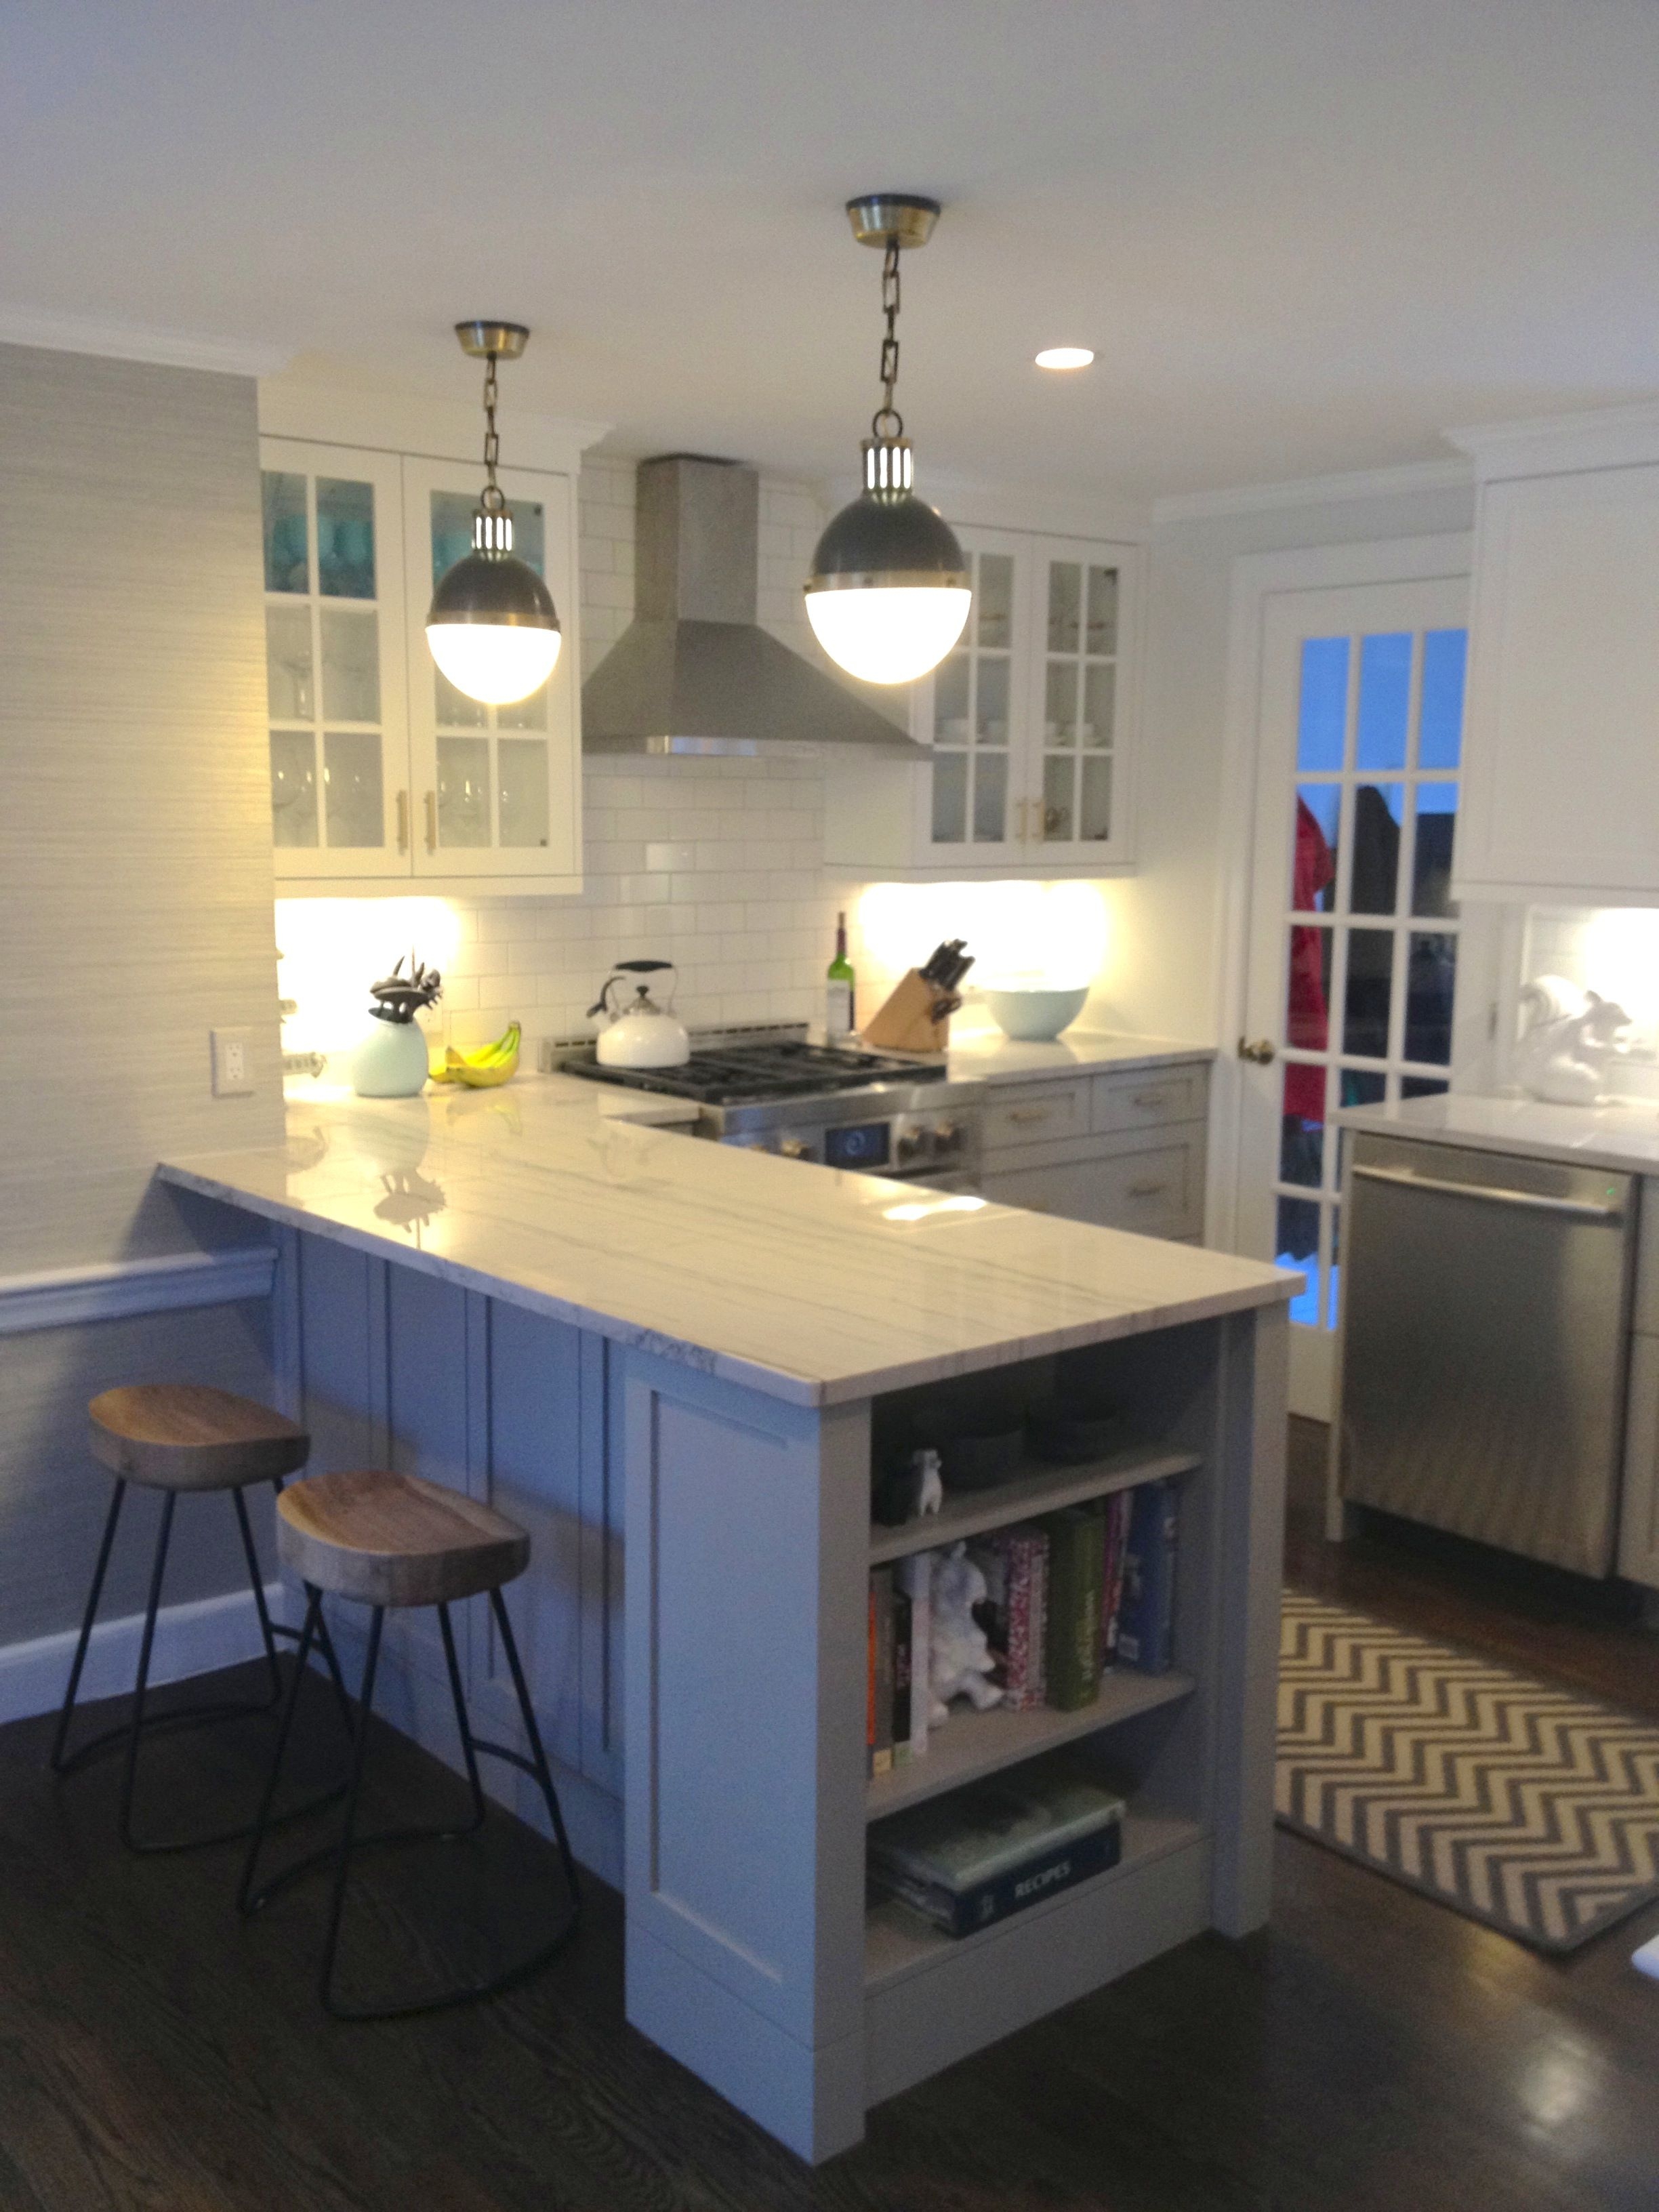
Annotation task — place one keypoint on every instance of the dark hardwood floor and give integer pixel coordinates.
(1370, 2052)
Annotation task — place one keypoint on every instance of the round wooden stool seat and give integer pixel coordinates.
(184, 1436)
(394, 1540)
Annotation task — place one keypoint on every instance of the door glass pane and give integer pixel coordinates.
(990, 703)
(354, 807)
(1385, 689)
(351, 664)
(464, 807)
(529, 714)
(1297, 1245)
(1059, 787)
(289, 683)
(1432, 968)
(1423, 1087)
(993, 601)
(345, 538)
(990, 799)
(1361, 1086)
(1370, 983)
(1307, 996)
(521, 765)
(1374, 885)
(1103, 610)
(288, 567)
(1064, 607)
(452, 709)
(1096, 824)
(1323, 708)
(950, 800)
(1431, 858)
(1313, 861)
(294, 786)
(951, 723)
(1099, 685)
(1059, 704)
(1301, 1127)
(1440, 731)
(452, 530)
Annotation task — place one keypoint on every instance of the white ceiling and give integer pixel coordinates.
(1302, 235)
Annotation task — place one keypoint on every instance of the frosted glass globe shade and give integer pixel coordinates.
(888, 633)
(495, 662)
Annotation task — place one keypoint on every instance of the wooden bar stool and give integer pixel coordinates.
(178, 1436)
(392, 1540)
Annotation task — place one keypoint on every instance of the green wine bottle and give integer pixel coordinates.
(838, 1019)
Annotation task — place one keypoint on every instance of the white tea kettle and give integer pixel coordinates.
(640, 1033)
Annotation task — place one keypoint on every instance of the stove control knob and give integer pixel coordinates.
(795, 1148)
(907, 1146)
(947, 1137)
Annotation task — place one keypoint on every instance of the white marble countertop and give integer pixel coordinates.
(802, 1282)
(1623, 1137)
(988, 1056)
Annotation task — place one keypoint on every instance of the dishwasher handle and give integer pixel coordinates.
(1576, 1209)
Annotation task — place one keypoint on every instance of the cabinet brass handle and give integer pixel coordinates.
(1149, 1099)
(1029, 1113)
(402, 821)
(432, 822)
(1024, 807)
(1147, 1189)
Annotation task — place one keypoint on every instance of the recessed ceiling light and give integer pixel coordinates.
(1064, 357)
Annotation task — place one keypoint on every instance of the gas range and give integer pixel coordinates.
(769, 1090)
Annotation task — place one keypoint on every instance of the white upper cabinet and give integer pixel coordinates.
(383, 777)
(1562, 777)
(1030, 725)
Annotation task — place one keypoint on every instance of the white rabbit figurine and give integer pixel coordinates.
(960, 1658)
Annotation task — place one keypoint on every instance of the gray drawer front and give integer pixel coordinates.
(1037, 1112)
(1150, 1097)
(1156, 1189)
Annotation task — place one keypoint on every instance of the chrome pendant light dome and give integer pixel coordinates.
(888, 591)
(492, 625)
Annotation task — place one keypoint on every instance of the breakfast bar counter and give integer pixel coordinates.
(688, 1356)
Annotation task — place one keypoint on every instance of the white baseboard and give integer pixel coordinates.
(190, 1639)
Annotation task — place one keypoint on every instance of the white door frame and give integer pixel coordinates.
(1257, 578)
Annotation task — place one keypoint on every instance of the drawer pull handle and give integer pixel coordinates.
(1147, 1189)
(1150, 1099)
(1029, 1113)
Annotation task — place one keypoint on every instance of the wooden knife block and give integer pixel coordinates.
(906, 1023)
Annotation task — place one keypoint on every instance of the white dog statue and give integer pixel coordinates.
(960, 1656)
(1569, 1034)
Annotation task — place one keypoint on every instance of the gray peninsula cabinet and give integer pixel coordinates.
(674, 1362)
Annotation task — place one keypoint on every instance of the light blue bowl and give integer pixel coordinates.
(1035, 1016)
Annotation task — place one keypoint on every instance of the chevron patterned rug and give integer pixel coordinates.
(1522, 1805)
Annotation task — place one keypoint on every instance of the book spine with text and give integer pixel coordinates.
(959, 1913)
(1147, 1632)
(881, 1746)
(914, 1576)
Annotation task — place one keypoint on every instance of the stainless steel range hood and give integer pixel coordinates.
(694, 672)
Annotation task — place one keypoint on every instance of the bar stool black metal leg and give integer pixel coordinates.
(342, 1862)
(163, 1539)
(256, 1582)
(325, 1645)
(539, 1756)
(87, 1618)
(246, 1902)
(469, 1748)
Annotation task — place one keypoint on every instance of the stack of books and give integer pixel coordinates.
(997, 1847)
(1067, 1597)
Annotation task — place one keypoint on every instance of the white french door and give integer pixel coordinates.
(1352, 943)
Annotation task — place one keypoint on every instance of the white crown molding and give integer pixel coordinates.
(1551, 445)
(37, 326)
(113, 1290)
(1313, 491)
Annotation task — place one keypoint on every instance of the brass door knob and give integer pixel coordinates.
(1260, 1053)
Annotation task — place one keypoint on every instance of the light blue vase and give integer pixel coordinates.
(390, 1061)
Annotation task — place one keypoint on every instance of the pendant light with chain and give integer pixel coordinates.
(888, 591)
(492, 625)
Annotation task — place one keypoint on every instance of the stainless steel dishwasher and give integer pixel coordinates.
(1484, 1328)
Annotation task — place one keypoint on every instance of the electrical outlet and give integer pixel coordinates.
(233, 1062)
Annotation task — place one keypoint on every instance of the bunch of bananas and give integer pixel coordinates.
(481, 1070)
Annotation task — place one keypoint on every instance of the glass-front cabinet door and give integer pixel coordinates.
(497, 789)
(967, 712)
(1073, 717)
(335, 660)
